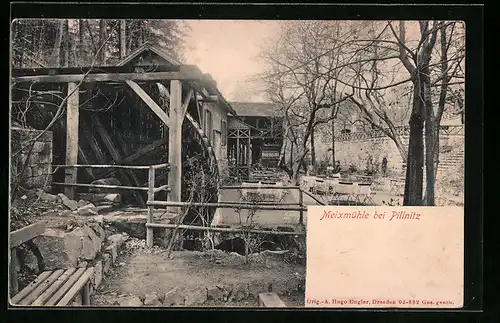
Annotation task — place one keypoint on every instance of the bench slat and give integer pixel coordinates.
(54, 287)
(22, 294)
(76, 288)
(270, 300)
(60, 293)
(22, 235)
(42, 287)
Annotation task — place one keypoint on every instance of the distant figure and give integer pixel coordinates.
(337, 167)
(384, 166)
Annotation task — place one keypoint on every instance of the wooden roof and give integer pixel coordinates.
(257, 109)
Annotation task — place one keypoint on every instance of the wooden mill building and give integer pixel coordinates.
(148, 109)
(254, 139)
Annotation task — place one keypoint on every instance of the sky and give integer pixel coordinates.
(227, 49)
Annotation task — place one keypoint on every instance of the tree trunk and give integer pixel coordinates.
(333, 142)
(81, 44)
(123, 40)
(66, 42)
(414, 168)
(56, 54)
(102, 40)
(313, 151)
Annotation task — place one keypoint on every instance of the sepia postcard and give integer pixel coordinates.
(237, 163)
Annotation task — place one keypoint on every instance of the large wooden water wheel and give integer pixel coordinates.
(200, 173)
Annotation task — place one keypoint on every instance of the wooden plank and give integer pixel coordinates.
(116, 157)
(54, 287)
(27, 233)
(77, 287)
(72, 109)
(150, 102)
(110, 77)
(270, 300)
(114, 187)
(42, 287)
(144, 151)
(85, 160)
(34, 284)
(185, 104)
(14, 286)
(64, 288)
(175, 144)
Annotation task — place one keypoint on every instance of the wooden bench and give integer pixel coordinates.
(270, 300)
(51, 288)
(57, 288)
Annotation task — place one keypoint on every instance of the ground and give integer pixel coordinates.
(140, 272)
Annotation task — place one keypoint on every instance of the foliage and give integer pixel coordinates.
(75, 42)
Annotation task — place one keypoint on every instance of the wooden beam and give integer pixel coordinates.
(116, 157)
(185, 104)
(109, 77)
(72, 110)
(83, 157)
(22, 235)
(209, 99)
(144, 151)
(175, 144)
(149, 102)
(140, 153)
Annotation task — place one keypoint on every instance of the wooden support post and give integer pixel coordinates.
(301, 203)
(151, 197)
(72, 108)
(175, 144)
(86, 294)
(14, 288)
(238, 156)
(249, 160)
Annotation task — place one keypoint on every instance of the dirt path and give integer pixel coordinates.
(140, 272)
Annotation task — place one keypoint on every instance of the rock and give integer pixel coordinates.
(70, 204)
(151, 300)
(87, 210)
(46, 197)
(82, 264)
(131, 301)
(106, 262)
(115, 198)
(241, 292)
(173, 297)
(61, 249)
(104, 181)
(92, 243)
(215, 293)
(97, 278)
(256, 288)
(111, 250)
(195, 296)
(81, 203)
(65, 213)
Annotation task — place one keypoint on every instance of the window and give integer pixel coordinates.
(209, 125)
(223, 130)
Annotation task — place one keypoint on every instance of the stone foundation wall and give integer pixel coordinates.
(38, 172)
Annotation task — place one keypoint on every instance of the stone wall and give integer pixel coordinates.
(356, 152)
(38, 172)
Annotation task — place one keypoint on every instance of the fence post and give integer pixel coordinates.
(151, 197)
(301, 202)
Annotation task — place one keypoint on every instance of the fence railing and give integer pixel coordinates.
(150, 168)
(269, 206)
